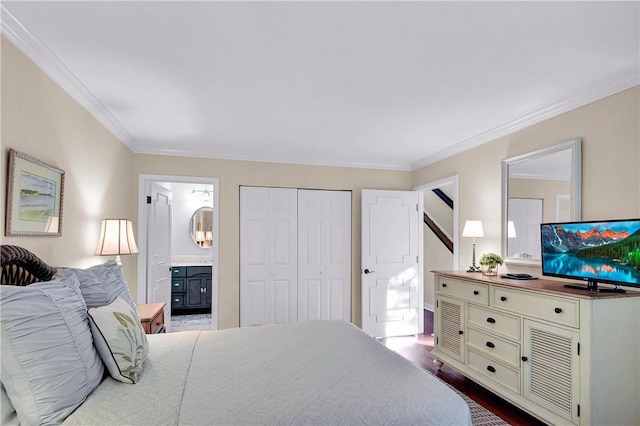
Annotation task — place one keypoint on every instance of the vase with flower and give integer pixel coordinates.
(490, 263)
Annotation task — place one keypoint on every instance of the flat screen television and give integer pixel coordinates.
(596, 252)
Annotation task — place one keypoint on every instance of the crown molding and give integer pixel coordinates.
(58, 72)
(591, 94)
(275, 160)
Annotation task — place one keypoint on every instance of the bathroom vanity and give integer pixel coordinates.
(190, 289)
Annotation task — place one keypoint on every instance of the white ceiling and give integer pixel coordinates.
(391, 85)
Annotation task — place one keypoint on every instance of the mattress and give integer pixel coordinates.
(318, 372)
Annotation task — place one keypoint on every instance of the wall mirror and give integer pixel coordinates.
(537, 187)
(200, 227)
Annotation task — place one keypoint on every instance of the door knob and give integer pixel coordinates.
(366, 271)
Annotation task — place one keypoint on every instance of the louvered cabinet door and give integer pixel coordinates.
(551, 368)
(450, 327)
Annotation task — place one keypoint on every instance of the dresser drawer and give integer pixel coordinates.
(475, 292)
(494, 370)
(495, 346)
(560, 310)
(156, 325)
(179, 271)
(178, 285)
(498, 322)
(177, 301)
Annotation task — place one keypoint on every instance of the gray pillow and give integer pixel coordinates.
(49, 362)
(100, 284)
(9, 415)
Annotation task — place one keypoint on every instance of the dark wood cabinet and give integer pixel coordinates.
(190, 289)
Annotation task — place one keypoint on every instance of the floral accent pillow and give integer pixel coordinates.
(120, 339)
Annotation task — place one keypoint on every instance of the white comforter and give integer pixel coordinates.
(317, 373)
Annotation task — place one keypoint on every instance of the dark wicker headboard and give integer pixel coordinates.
(21, 267)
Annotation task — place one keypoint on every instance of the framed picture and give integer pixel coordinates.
(34, 197)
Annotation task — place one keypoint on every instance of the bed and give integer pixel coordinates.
(316, 372)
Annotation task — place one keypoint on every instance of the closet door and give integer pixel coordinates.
(268, 255)
(324, 255)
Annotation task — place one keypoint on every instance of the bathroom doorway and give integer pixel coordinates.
(192, 271)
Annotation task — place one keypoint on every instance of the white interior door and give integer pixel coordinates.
(268, 256)
(391, 263)
(324, 255)
(159, 250)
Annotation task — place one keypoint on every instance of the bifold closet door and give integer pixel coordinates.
(268, 255)
(324, 255)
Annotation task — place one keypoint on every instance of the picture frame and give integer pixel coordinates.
(35, 192)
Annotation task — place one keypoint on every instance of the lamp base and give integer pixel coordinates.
(474, 269)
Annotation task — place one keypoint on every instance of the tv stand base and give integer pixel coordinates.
(593, 286)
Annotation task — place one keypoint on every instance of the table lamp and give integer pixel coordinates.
(116, 238)
(473, 229)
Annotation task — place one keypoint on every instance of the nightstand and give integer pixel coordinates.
(152, 317)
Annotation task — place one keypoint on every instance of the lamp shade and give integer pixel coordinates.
(473, 229)
(116, 238)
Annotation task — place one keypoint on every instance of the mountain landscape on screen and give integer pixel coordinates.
(599, 250)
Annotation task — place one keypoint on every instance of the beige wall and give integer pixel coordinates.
(233, 174)
(610, 132)
(41, 120)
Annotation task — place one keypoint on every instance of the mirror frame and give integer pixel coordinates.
(575, 145)
(192, 225)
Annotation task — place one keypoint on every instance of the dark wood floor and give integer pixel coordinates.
(418, 349)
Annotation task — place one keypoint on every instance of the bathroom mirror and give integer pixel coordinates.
(200, 227)
(537, 187)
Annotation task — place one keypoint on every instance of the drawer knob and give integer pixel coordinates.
(524, 359)
(444, 285)
(503, 298)
(176, 300)
(558, 310)
(460, 332)
(476, 292)
(491, 368)
(490, 345)
(491, 320)
(176, 284)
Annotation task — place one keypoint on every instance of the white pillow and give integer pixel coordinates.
(49, 362)
(99, 284)
(120, 339)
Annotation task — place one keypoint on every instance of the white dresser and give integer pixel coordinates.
(566, 356)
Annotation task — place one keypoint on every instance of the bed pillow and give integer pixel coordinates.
(49, 364)
(99, 284)
(9, 415)
(120, 339)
